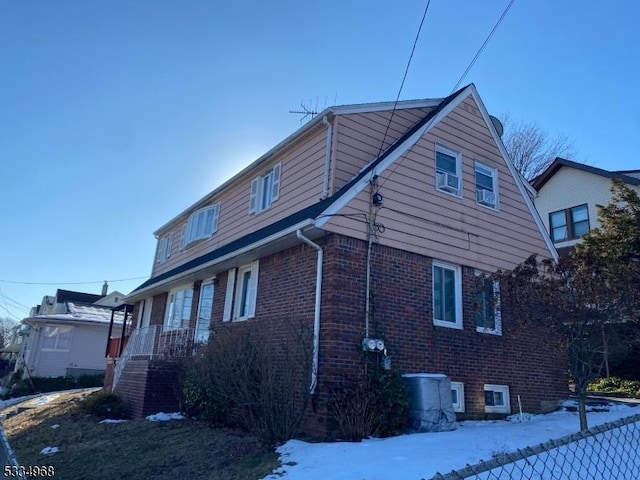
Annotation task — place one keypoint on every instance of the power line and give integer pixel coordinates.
(481, 49)
(406, 71)
(73, 283)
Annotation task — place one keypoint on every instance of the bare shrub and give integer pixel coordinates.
(254, 377)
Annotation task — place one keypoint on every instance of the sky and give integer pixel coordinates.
(116, 116)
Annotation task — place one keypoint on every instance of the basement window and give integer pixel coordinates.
(496, 399)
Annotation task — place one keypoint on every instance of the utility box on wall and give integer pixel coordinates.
(430, 402)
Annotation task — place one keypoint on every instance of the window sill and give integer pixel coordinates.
(196, 242)
(443, 323)
(489, 331)
(452, 194)
(488, 207)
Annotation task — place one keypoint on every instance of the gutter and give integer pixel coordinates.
(316, 312)
(327, 158)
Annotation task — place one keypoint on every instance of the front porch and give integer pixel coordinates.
(143, 367)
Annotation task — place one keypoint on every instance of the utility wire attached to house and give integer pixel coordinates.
(481, 49)
(406, 71)
(73, 283)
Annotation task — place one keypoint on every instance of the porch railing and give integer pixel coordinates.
(152, 342)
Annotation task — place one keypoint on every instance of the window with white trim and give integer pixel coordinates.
(496, 399)
(486, 186)
(56, 338)
(178, 311)
(447, 295)
(265, 189)
(203, 318)
(487, 305)
(144, 312)
(164, 248)
(448, 171)
(457, 396)
(201, 225)
(242, 289)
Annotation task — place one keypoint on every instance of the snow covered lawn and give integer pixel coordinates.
(421, 455)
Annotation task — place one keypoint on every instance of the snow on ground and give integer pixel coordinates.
(421, 455)
(164, 417)
(112, 420)
(49, 450)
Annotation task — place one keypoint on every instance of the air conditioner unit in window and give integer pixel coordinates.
(447, 182)
(486, 197)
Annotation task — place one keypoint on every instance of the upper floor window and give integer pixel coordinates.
(178, 310)
(447, 295)
(201, 224)
(164, 248)
(569, 224)
(488, 316)
(486, 186)
(265, 189)
(242, 289)
(448, 170)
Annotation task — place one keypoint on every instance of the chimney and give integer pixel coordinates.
(105, 287)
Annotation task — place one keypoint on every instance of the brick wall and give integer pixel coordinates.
(401, 284)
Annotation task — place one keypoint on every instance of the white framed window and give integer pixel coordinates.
(447, 295)
(201, 225)
(486, 186)
(448, 171)
(496, 399)
(487, 305)
(178, 310)
(242, 289)
(56, 338)
(205, 307)
(265, 189)
(457, 396)
(164, 248)
(144, 312)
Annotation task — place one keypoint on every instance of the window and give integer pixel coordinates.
(265, 190)
(569, 224)
(486, 186)
(178, 310)
(144, 312)
(201, 225)
(488, 315)
(447, 170)
(496, 399)
(457, 396)
(57, 338)
(164, 248)
(447, 295)
(203, 320)
(242, 288)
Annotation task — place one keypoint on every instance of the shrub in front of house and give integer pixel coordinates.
(245, 377)
(102, 405)
(375, 404)
(32, 385)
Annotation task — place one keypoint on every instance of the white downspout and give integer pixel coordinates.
(316, 311)
(327, 159)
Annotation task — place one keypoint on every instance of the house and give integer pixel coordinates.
(370, 223)
(66, 334)
(567, 197)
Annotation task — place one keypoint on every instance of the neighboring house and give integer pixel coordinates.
(66, 335)
(568, 195)
(361, 232)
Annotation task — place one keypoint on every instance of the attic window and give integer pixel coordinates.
(164, 248)
(265, 189)
(448, 170)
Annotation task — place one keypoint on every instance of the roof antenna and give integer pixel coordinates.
(306, 112)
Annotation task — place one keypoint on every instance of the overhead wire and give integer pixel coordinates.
(73, 283)
(404, 77)
(481, 49)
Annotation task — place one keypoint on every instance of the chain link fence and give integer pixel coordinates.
(7, 457)
(609, 451)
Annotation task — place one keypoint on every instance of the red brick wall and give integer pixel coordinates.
(402, 316)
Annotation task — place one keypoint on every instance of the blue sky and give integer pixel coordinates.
(115, 116)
